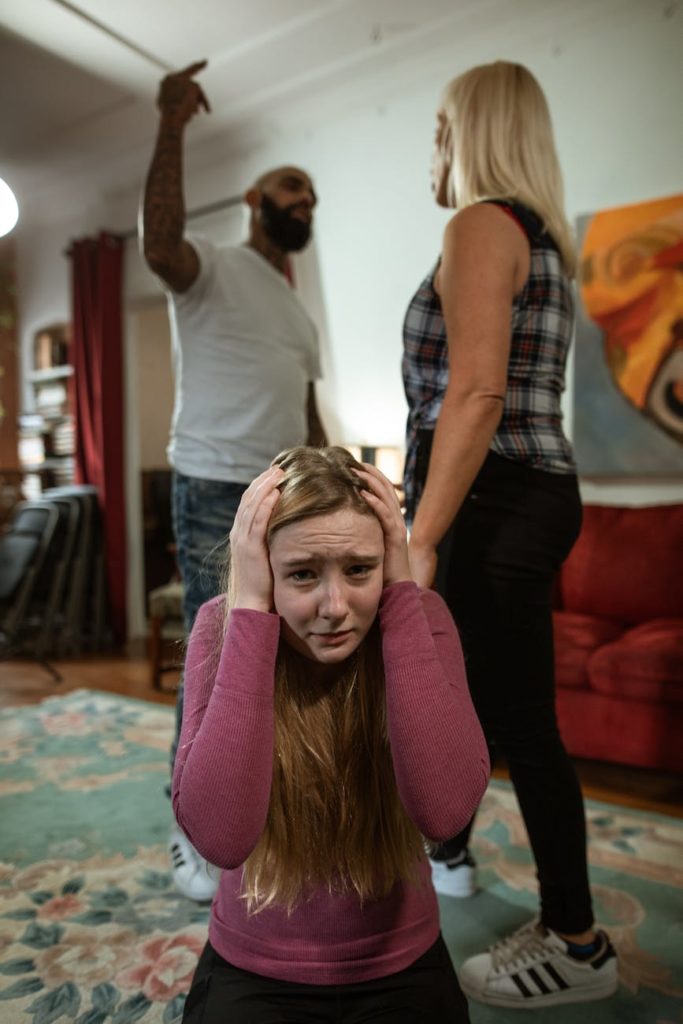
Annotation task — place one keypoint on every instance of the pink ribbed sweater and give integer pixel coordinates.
(222, 777)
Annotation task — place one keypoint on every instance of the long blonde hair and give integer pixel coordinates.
(501, 146)
(335, 817)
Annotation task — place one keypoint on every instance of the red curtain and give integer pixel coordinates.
(97, 275)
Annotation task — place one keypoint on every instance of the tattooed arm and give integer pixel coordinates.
(163, 213)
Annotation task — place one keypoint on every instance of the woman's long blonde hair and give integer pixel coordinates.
(335, 817)
(501, 146)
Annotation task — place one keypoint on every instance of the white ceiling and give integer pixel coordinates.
(78, 80)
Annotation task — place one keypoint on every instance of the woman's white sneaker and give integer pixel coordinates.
(534, 968)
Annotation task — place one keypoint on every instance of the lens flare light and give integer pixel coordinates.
(9, 209)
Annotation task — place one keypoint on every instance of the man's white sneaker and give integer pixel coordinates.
(533, 968)
(192, 875)
(456, 877)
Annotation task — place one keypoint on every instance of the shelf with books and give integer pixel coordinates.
(46, 431)
(47, 376)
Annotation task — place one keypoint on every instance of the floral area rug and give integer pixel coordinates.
(91, 927)
(93, 932)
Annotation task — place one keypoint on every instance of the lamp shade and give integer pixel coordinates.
(9, 209)
(388, 459)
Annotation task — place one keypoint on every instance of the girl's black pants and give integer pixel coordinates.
(425, 992)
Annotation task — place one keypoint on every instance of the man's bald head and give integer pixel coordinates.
(270, 180)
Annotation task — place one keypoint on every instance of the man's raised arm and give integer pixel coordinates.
(163, 212)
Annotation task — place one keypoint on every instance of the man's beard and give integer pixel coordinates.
(285, 231)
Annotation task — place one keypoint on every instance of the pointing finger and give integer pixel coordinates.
(202, 101)
(193, 69)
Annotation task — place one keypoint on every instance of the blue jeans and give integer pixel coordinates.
(203, 514)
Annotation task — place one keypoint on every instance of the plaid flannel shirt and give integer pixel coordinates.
(530, 429)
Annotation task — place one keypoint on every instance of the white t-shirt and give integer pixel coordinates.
(245, 351)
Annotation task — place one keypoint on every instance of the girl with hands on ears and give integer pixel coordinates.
(329, 735)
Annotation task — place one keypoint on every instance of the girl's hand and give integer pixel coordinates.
(381, 496)
(250, 573)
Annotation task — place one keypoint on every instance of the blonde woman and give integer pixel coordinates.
(328, 732)
(493, 499)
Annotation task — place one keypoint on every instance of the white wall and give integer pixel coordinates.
(613, 74)
(152, 369)
(42, 290)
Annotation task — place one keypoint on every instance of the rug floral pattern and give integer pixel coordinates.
(91, 927)
(93, 932)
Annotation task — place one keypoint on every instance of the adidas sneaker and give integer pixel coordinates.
(534, 968)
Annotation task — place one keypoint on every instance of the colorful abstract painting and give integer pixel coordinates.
(628, 393)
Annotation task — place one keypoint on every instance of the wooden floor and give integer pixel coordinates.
(25, 682)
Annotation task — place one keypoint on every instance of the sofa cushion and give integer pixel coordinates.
(576, 638)
(646, 663)
(624, 566)
(622, 731)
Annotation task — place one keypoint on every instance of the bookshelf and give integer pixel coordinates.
(46, 429)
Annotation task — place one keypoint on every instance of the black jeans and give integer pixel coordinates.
(497, 566)
(423, 993)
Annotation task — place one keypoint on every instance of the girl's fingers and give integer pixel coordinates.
(379, 483)
(384, 498)
(262, 490)
(377, 504)
(263, 479)
(396, 564)
(390, 518)
(262, 485)
(381, 496)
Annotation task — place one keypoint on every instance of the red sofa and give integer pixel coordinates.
(619, 638)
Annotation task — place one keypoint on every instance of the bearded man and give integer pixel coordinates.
(245, 361)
